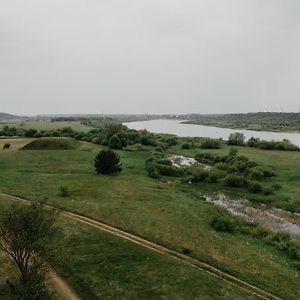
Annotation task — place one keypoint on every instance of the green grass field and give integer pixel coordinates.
(169, 214)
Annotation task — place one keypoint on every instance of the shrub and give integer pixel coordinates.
(235, 181)
(255, 174)
(115, 142)
(166, 170)
(208, 143)
(186, 146)
(233, 152)
(268, 191)
(276, 186)
(222, 223)
(152, 170)
(215, 175)
(6, 146)
(254, 187)
(236, 139)
(64, 191)
(199, 176)
(107, 162)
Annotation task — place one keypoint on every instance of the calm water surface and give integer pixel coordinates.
(190, 130)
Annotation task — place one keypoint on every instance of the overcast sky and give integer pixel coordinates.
(149, 56)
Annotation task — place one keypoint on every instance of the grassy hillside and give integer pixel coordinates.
(52, 144)
(168, 212)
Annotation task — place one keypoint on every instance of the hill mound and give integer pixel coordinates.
(52, 144)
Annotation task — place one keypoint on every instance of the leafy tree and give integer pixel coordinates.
(236, 139)
(25, 235)
(30, 132)
(107, 162)
(115, 142)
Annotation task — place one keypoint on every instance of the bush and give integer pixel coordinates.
(186, 146)
(215, 175)
(166, 170)
(208, 143)
(222, 223)
(268, 191)
(199, 176)
(255, 174)
(276, 186)
(235, 181)
(6, 146)
(152, 170)
(107, 162)
(233, 152)
(236, 139)
(64, 191)
(115, 142)
(254, 187)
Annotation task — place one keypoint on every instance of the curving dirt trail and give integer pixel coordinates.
(249, 288)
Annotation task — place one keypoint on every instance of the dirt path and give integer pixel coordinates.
(62, 288)
(249, 288)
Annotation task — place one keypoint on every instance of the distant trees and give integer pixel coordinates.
(107, 162)
(25, 235)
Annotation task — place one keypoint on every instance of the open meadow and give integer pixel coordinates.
(167, 212)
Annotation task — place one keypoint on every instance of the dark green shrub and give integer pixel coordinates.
(107, 162)
(186, 146)
(209, 143)
(235, 181)
(254, 187)
(236, 139)
(276, 186)
(64, 191)
(115, 142)
(268, 191)
(215, 175)
(199, 176)
(6, 146)
(222, 223)
(233, 152)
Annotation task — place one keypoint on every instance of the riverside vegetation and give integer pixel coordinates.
(165, 207)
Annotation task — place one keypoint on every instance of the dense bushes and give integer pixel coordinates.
(208, 143)
(157, 166)
(284, 145)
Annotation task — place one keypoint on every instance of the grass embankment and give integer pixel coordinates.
(52, 144)
(169, 214)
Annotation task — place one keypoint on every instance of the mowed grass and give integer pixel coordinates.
(100, 266)
(48, 125)
(169, 214)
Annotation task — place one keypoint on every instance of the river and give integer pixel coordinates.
(190, 130)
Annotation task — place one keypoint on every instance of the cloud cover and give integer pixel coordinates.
(142, 56)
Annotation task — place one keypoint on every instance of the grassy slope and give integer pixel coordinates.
(100, 266)
(168, 214)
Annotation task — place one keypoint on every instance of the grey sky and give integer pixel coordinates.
(149, 56)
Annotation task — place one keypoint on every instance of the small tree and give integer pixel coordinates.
(115, 142)
(236, 139)
(25, 235)
(107, 162)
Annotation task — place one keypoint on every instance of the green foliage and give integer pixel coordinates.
(107, 162)
(233, 152)
(186, 146)
(222, 223)
(25, 235)
(64, 191)
(115, 142)
(6, 146)
(236, 139)
(199, 175)
(254, 186)
(235, 181)
(209, 143)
